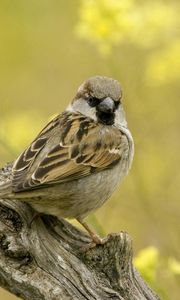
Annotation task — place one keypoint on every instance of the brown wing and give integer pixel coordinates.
(70, 147)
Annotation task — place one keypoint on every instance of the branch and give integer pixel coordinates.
(46, 261)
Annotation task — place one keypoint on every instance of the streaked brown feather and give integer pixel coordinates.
(70, 147)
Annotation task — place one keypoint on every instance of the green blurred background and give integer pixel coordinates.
(47, 48)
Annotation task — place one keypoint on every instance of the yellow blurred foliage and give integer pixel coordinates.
(145, 24)
(164, 66)
(147, 262)
(174, 266)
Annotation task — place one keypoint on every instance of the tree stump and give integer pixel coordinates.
(47, 259)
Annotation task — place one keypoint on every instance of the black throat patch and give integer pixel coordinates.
(105, 118)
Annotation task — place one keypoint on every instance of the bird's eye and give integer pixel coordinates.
(92, 101)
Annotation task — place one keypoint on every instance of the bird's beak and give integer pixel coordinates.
(106, 106)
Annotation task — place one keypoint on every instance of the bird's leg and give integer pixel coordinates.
(95, 238)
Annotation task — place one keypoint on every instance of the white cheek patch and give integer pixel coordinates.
(120, 119)
(82, 107)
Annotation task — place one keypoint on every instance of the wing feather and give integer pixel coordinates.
(70, 147)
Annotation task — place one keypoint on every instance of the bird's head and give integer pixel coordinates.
(99, 98)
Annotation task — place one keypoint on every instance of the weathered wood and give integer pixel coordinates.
(46, 260)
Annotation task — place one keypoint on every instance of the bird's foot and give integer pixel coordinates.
(96, 241)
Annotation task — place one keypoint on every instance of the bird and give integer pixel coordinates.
(79, 158)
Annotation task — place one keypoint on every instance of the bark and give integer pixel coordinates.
(47, 259)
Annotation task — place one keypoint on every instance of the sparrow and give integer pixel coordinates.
(80, 157)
